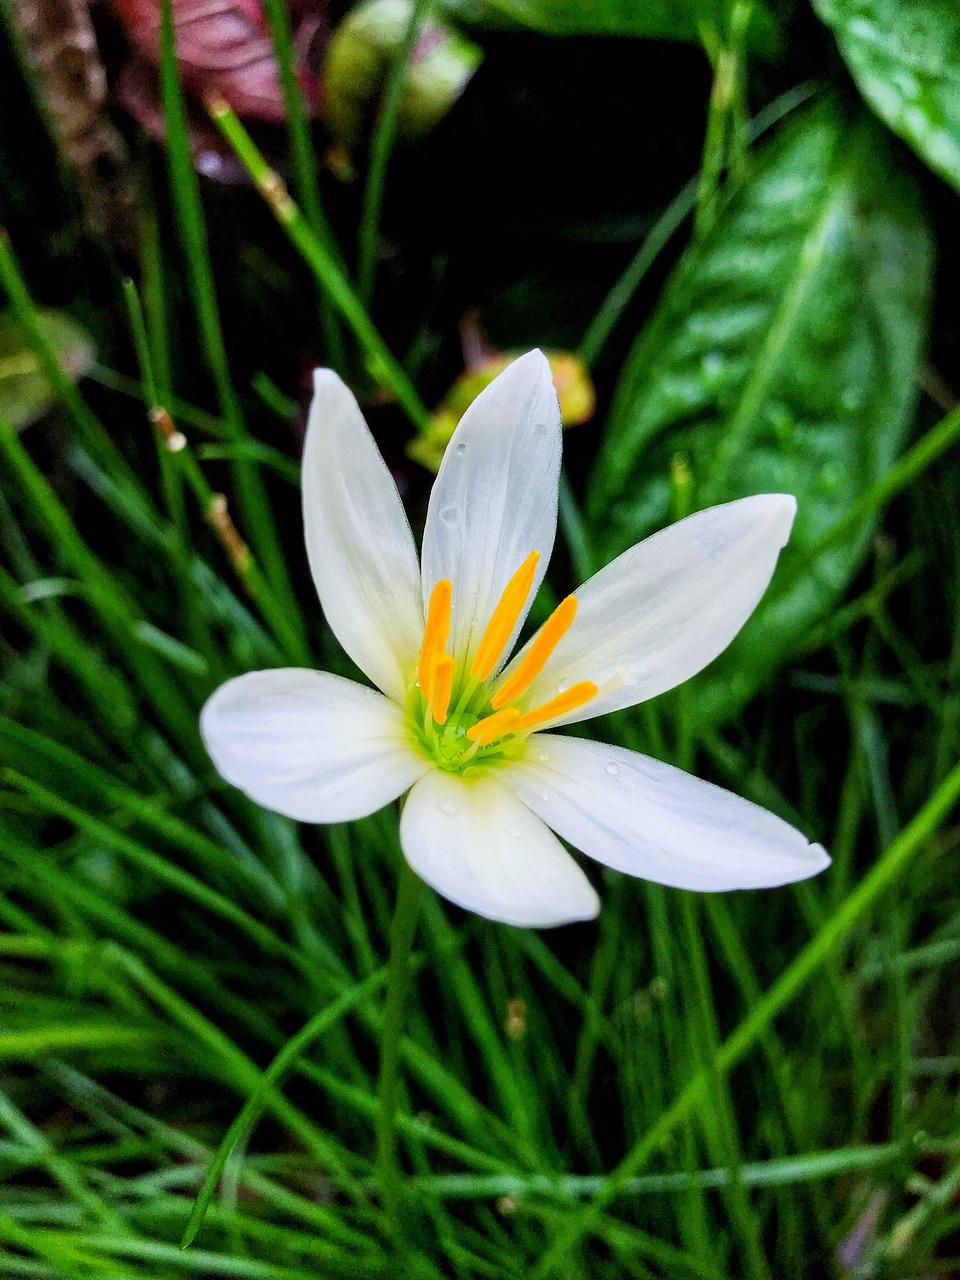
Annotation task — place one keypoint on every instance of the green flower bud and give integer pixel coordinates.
(358, 61)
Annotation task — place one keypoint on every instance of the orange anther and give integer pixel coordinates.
(492, 727)
(504, 618)
(569, 700)
(435, 632)
(544, 643)
(441, 687)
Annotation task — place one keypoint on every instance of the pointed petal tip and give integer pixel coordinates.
(787, 509)
(325, 379)
(805, 863)
(781, 512)
(775, 511)
(589, 910)
(359, 544)
(818, 856)
(332, 400)
(531, 366)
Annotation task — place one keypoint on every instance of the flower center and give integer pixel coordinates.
(479, 718)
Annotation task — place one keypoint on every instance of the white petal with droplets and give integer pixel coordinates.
(361, 550)
(661, 611)
(651, 820)
(482, 849)
(495, 498)
(309, 744)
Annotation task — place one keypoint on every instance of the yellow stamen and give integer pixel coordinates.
(504, 617)
(441, 687)
(544, 643)
(492, 727)
(435, 632)
(569, 700)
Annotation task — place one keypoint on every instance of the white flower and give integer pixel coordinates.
(458, 725)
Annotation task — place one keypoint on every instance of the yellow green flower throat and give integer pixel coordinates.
(480, 720)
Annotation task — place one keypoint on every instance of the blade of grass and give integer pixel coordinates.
(663, 230)
(904, 471)
(258, 1099)
(177, 456)
(383, 366)
(304, 162)
(239, 1070)
(88, 425)
(189, 209)
(58, 1166)
(155, 865)
(403, 929)
(381, 146)
(890, 867)
(171, 480)
(109, 1110)
(117, 612)
(248, 877)
(719, 1124)
(814, 1166)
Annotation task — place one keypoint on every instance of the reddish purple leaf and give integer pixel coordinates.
(223, 46)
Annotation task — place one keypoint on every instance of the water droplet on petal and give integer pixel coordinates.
(460, 449)
(515, 832)
(613, 769)
(544, 795)
(448, 807)
(543, 756)
(450, 515)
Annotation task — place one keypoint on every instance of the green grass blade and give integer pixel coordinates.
(891, 866)
(382, 365)
(258, 1099)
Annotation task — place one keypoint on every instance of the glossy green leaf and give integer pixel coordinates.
(25, 393)
(781, 358)
(653, 19)
(905, 58)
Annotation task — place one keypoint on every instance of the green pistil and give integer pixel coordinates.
(453, 749)
(448, 744)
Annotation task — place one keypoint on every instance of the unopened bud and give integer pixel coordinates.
(359, 57)
(25, 392)
(571, 380)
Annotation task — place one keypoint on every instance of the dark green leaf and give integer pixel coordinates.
(781, 358)
(653, 19)
(905, 58)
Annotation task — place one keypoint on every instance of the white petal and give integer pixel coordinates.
(648, 819)
(479, 847)
(495, 498)
(309, 744)
(661, 611)
(361, 551)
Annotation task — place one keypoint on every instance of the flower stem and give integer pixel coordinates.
(402, 930)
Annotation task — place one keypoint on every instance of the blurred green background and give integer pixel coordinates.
(739, 220)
